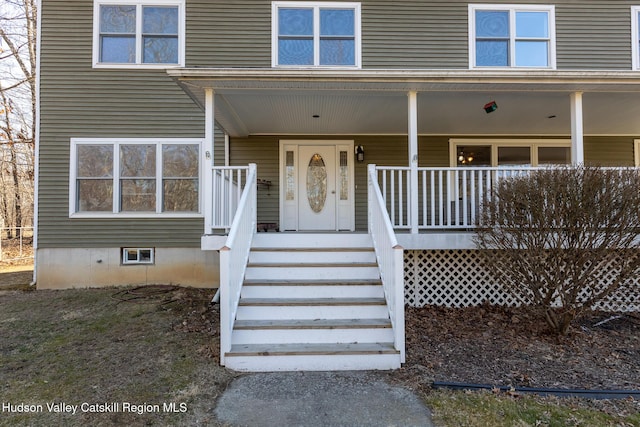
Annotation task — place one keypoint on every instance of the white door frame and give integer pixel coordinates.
(344, 222)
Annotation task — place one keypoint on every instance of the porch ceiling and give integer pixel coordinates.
(252, 102)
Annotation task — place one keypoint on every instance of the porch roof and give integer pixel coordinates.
(284, 101)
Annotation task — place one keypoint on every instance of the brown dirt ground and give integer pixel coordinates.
(512, 347)
(11, 275)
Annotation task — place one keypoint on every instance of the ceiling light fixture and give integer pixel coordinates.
(490, 107)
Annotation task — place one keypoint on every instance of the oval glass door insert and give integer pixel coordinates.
(316, 183)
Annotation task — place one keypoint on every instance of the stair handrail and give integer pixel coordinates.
(390, 257)
(234, 256)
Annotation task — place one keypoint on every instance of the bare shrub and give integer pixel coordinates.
(545, 237)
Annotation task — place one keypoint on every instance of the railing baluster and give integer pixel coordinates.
(393, 198)
(440, 200)
(463, 198)
(433, 198)
(400, 199)
(424, 198)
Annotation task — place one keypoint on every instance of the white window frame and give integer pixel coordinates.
(635, 38)
(125, 261)
(636, 152)
(116, 143)
(533, 145)
(316, 6)
(512, 9)
(180, 4)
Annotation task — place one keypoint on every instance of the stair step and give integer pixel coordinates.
(311, 255)
(306, 308)
(313, 324)
(289, 302)
(314, 249)
(316, 271)
(363, 282)
(321, 349)
(309, 331)
(363, 289)
(312, 357)
(311, 264)
(311, 240)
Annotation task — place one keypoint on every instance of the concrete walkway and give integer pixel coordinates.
(313, 399)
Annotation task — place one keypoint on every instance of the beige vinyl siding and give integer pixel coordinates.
(593, 35)
(410, 34)
(609, 150)
(414, 34)
(228, 33)
(78, 101)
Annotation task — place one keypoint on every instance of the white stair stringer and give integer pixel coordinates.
(312, 302)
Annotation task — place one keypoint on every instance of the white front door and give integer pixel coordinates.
(317, 186)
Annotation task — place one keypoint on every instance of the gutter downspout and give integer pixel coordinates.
(36, 154)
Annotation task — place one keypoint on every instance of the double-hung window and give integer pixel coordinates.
(136, 177)
(140, 33)
(323, 34)
(511, 36)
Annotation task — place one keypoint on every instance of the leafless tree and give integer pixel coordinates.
(563, 239)
(18, 27)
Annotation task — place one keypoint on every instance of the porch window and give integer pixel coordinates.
(509, 153)
(511, 36)
(323, 34)
(139, 33)
(135, 177)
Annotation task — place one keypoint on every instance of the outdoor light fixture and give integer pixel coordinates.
(490, 107)
(360, 153)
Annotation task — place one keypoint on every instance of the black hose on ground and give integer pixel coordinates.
(559, 392)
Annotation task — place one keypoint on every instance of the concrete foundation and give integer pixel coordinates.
(63, 268)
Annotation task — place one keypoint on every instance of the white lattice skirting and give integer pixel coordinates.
(455, 278)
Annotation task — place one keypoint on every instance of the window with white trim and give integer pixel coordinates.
(316, 34)
(635, 36)
(509, 152)
(137, 256)
(136, 177)
(138, 33)
(511, 36)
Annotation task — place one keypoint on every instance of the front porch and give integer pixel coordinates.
(434, 155)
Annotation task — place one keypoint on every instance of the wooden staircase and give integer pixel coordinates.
(312, 302)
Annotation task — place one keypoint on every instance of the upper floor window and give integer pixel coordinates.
(324, 34)
(635, 36)
(511, 36)
(135, 177)
(140, 33)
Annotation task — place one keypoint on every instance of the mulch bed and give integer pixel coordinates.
(513, 347)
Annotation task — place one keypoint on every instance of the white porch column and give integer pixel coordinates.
(207, 159)
(413, 161)
(577, 132)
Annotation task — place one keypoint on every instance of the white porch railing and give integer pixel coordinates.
(390, 256)
(227, 184)
(448, 198)
(234, 256)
